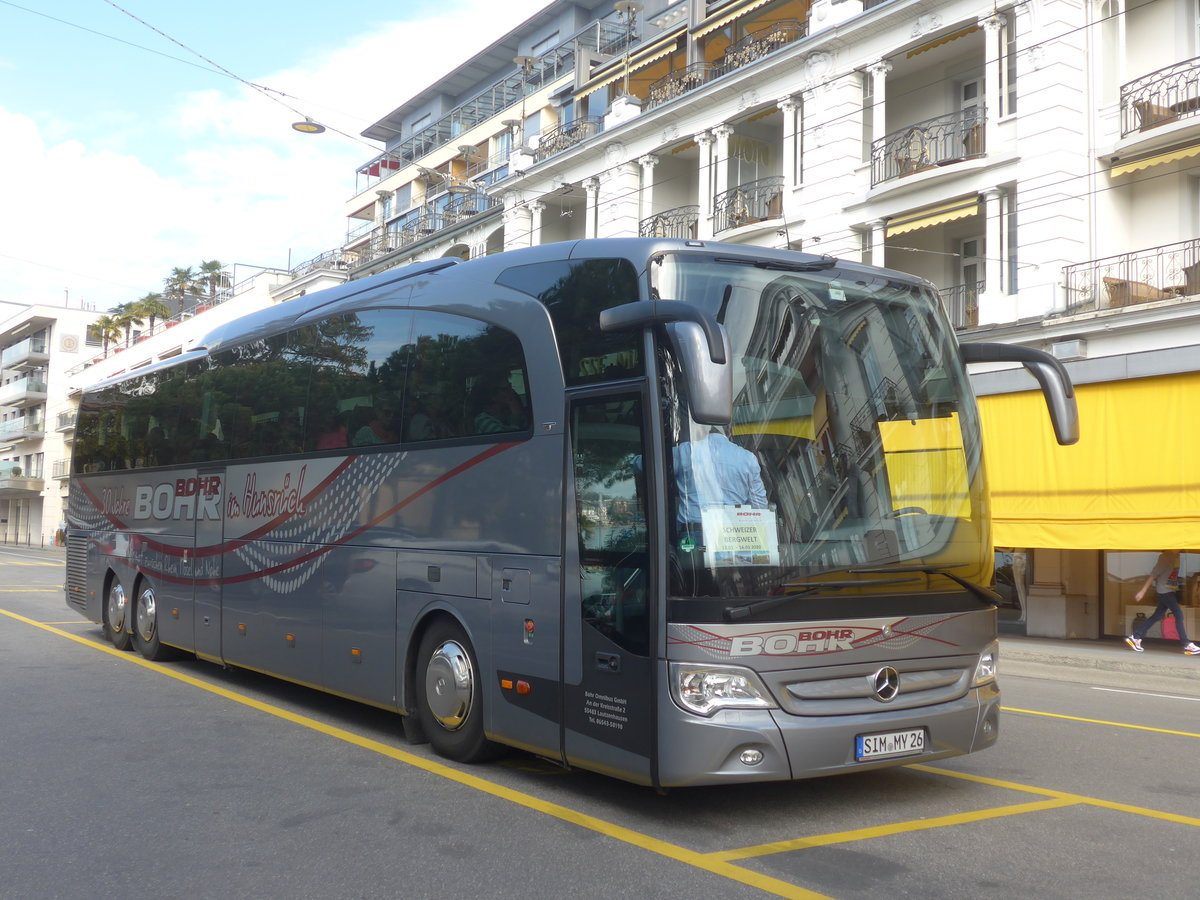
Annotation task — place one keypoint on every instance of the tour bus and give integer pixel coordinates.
(680, 512)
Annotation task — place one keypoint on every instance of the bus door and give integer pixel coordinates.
(609, 710)
(205, 564)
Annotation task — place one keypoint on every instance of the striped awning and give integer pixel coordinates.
(723, 18)
(1148, 161)
(933, 215)
(651, 53)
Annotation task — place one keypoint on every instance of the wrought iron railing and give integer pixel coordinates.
(679, 83)
(567, 135)
(1161, 97)
(747, 203)
(679, 222)
(330, 259)
(758, 44)
(66, 420)
(464, 206)
(1128, 279)
(939, 141)
(961, 302)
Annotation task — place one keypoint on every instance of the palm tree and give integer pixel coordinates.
(179, 285)
(152, 307)
(107, 329)
(213, 278)
(125, 315)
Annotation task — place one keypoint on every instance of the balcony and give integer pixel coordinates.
(60, 469)
(424, 224)
(566, 136)
(66, 421)
(747, 51)
(22, 392)
(15, 486)
(940, 141)
(22, 428)
(29, 353)
(961, 302)
(754, 201)
(679, 222)
(1161, 97)
(1130, 279)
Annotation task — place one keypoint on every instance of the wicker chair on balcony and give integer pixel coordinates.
(1128, 293)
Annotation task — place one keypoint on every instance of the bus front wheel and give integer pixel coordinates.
(450, 694)
(116, 616)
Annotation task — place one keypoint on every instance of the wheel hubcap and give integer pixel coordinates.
(147, 615)
(450, 685)
(116, 608)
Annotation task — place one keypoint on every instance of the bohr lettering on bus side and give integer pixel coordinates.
(186, 498)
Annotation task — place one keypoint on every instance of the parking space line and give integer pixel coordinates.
(1062, 795)
(862, 834)
(703, 861)
(1034, 712)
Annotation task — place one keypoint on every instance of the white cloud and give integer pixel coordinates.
(225, 177)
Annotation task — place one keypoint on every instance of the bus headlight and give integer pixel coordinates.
(985, 668)
(705, 689)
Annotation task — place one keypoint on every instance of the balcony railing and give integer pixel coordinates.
(961, 302)
(29, 352)
(66, 421)
(22, 427)
(61, 468)
(337, 260)
(566, 136)
(1161, 97)
(758, 44)
(747, 203)
(1128, 279)
(425, 224)
(939, 141)
(24, 391)
(679, 83)
(679, 222)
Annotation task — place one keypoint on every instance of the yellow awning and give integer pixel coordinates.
(791, 426)
(652, 53)
(1131, 483)
(1147, 162)
(721, 20)
(933, 215)
(926, 465)
(937, 42)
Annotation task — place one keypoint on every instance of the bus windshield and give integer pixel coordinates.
(852, 463)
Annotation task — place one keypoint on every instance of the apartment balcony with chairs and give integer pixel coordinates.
(961, 302)
(22, 392)
(566, 136)
(1131, 279)
(1161, 97)
(680, 222)
(754, 201)
(939, 141)
(679, 82)
(758, 44)
(29, 353)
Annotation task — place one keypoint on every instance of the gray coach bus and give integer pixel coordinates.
(679, 512)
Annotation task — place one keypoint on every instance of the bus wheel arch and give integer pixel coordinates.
(447, 688)
(116, 613)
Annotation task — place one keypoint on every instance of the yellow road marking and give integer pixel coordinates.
(704, 861)
(22, 562)
(32, 590)
(1034, 712)
(862, 834)
(1060, 795)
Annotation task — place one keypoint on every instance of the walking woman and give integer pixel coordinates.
(1165, 578)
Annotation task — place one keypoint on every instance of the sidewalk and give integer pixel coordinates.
(1162, 666)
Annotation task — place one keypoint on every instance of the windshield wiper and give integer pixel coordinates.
(825, 262)
(746, 610)
(987, 596)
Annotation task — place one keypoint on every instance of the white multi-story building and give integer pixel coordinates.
(1037, 161)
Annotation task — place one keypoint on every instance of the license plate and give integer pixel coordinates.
(890, 744)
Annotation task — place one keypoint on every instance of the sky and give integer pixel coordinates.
(124, 154)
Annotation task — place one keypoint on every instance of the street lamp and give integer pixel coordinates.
(308, 126)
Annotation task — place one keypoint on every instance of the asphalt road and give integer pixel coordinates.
(121, 778)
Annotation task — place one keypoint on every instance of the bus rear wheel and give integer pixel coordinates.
(116, 616)
(450, 694)
(145, 626)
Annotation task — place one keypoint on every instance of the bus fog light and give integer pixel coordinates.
(705, 689)
(751, 757)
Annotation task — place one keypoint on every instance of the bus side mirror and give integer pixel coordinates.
(701, 346)
(709, 384)
(1051, 375)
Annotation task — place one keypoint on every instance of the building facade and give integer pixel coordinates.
(1039, 162)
